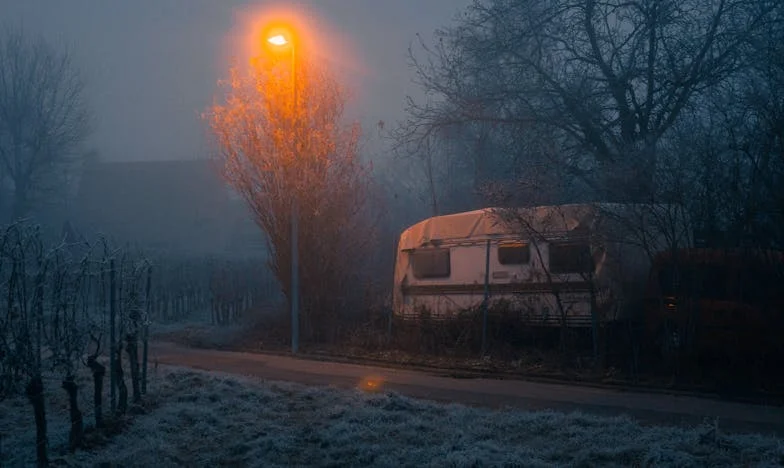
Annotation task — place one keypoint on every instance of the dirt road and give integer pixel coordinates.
(649, 408)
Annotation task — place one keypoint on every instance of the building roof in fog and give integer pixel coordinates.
(179, 206)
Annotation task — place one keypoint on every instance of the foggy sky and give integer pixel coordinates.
(151, 66)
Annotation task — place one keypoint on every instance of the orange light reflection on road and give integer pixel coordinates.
(371, 384)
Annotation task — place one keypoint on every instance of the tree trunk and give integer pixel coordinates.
(77, 425)
(122, 389)
(132, 348)
(35, 394)
(99, 370)
(632, 178)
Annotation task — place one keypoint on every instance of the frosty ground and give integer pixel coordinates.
(207, 419)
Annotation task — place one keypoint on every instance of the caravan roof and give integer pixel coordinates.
(488, 222)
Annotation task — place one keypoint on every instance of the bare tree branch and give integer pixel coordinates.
(607, 78)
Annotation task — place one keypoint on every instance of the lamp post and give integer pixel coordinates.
(280, 40)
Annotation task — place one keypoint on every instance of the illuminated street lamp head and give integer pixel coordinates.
(278, 40)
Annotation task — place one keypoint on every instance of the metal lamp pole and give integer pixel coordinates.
(294, 216)
(280, 40)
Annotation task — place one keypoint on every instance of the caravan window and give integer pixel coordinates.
(571, 257)
(431, 263)
(517, 253)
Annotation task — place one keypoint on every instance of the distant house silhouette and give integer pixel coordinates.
(171, 207)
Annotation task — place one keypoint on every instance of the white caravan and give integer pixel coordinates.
(549, 262)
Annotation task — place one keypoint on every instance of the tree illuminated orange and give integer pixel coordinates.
(275, 145)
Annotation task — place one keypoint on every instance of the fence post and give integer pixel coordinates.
(112, 338)
(146, 330)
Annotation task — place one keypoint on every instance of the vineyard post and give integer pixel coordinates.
(146, 330)
(112, 338)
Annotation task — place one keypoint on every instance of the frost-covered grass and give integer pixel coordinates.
(203, 419)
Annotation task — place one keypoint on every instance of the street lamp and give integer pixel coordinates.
(280, 40)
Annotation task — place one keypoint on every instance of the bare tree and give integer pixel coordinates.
(725, 159)
(43, 116)
(757, 136)
(435, 174)
(276, 150)
(607, 78)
